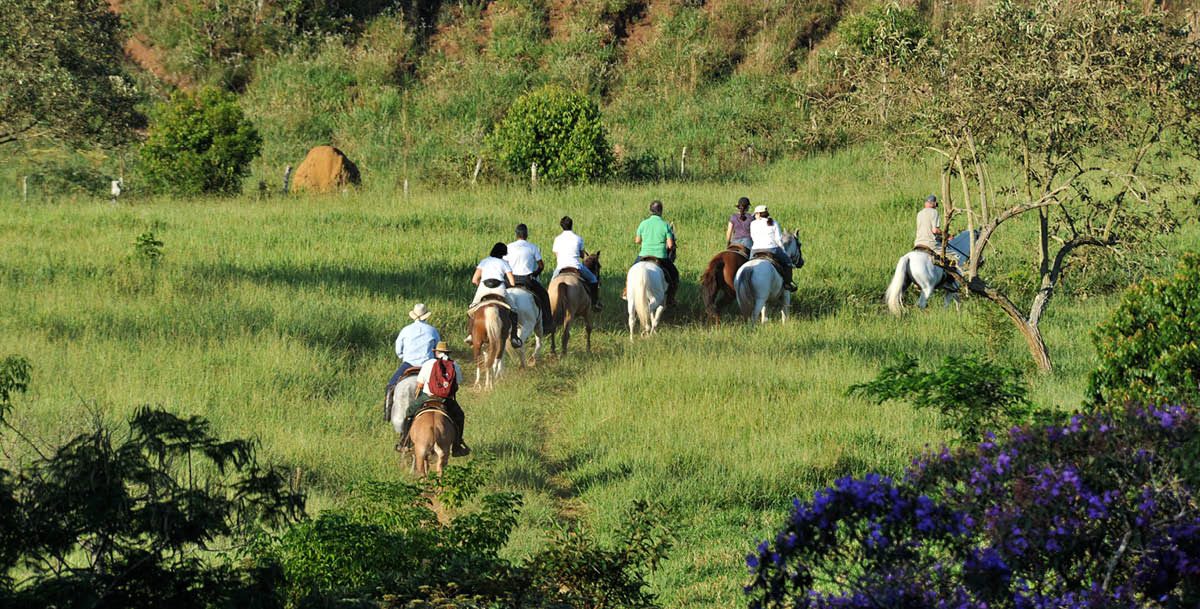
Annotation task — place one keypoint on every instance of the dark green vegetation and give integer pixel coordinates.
(198, 144)
(555, 132)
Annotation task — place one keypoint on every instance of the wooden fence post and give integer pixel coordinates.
(478, 167)
(533, 174)
(405, 188)
(287, 179)
(24, 189)
(682, 160)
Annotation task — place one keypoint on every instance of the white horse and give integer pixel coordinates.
(646, 293)
(529, 323)
(758, 284)
(917, 266)
(403, 398)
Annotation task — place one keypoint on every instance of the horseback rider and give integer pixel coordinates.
(414, 343)
(658, 244)
(929, 234)
(449, 403)
(737, 232)
(525, 258)
(767, 238)
(493, 275)
(568, 247)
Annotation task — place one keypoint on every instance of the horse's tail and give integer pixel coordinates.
(638, 292)
(743, 283)
(900, 282)
(709, 284)
(494, 325)
(560, 304)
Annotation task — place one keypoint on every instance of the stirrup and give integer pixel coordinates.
(790, 286)
(460, 450)
(517, 343)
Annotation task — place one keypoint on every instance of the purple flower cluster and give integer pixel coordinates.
(1097, 511)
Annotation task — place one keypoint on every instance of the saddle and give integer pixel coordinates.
(773, 259)
(489, 300)
(946, 262)
(570, 270)
(654, 259)
(740, 250)
(389, 403)
(412, 371)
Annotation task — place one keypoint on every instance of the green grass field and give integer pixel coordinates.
(275, 319)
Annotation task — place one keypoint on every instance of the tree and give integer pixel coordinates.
(1147, 347)
(1093, 101)
(199, 143)
(558, 130)
(61, 76)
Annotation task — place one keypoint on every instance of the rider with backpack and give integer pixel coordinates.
(438, 381)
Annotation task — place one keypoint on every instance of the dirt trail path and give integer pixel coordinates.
(139, 50)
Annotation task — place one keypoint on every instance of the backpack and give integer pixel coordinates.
(442, 381)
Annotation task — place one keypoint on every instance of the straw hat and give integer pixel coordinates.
(442, 347)
(420, 312)
(760, 209)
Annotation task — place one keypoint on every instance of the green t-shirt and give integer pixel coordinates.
(654, 232)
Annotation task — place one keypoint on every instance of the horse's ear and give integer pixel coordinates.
(597, 254)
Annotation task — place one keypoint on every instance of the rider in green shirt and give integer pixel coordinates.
(658, 242)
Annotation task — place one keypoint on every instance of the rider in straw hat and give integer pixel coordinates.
(449, 403)
(415, 343)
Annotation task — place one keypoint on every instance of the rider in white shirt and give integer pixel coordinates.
(493, 276)
(526, 261)
(767, 238)
(568, 247)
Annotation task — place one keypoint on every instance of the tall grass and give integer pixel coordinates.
(275, 318)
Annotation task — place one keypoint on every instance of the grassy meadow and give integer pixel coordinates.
(275, 319)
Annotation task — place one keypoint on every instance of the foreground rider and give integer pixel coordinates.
(493, 275)
(658, 242)
(525, 258)
(928, 232)
(415, 343)
(767, 238)
(737, 232)
(568, 248)
(433, 373)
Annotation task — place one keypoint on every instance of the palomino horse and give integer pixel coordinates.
(716, 284)
(529, 323)
(569, 299)
(917, 266)
(758, 283)
(489, 330)
(646, 292)
(432, 434)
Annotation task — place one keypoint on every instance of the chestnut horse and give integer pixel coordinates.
(716, 284)
(432, 434)
(569, 299)
(489, 330)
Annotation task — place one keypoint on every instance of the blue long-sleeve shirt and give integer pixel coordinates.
(415, 343)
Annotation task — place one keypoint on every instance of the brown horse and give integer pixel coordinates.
(432, 434)
(716, 284)
(489, 327)
(569, 299)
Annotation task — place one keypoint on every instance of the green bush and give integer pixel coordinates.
(557, 129)
(885, 30)
(199, 143)
(1147, 348)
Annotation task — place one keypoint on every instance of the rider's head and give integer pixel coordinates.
(656, 207)
(566, 223)
(743, 204)
(931, 201)
(522, 231)
(499, 250)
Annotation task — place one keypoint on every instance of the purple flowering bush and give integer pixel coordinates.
(1097, 511)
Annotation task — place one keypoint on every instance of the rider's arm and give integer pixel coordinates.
(511, 280)
(728, 232)
(670, 243)
(541, 265)
(477, 276)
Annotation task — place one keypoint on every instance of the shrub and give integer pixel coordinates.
(560, 131)
(1097, 512)
(973, 395)
(1147, 348)
(199, 143)
(886, 31)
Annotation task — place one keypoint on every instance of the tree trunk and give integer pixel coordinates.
(1029, 330)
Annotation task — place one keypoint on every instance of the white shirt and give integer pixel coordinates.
(567, 248)
(493, 268)
(523, 256)
(765, 236)
(927, 220)
(427, 369)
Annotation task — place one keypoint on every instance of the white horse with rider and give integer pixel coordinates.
(758, 283)
(646, 296)
(529, 324)
(918, 266)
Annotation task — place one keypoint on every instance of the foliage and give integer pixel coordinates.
(1097, 512)
(971, 394)
(558, 130)
(1089, 102)
(199, 143)
(885, 30)
(386, 544)
(61, 76)
(14, 378)
(148, 247)
(1147, 347)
